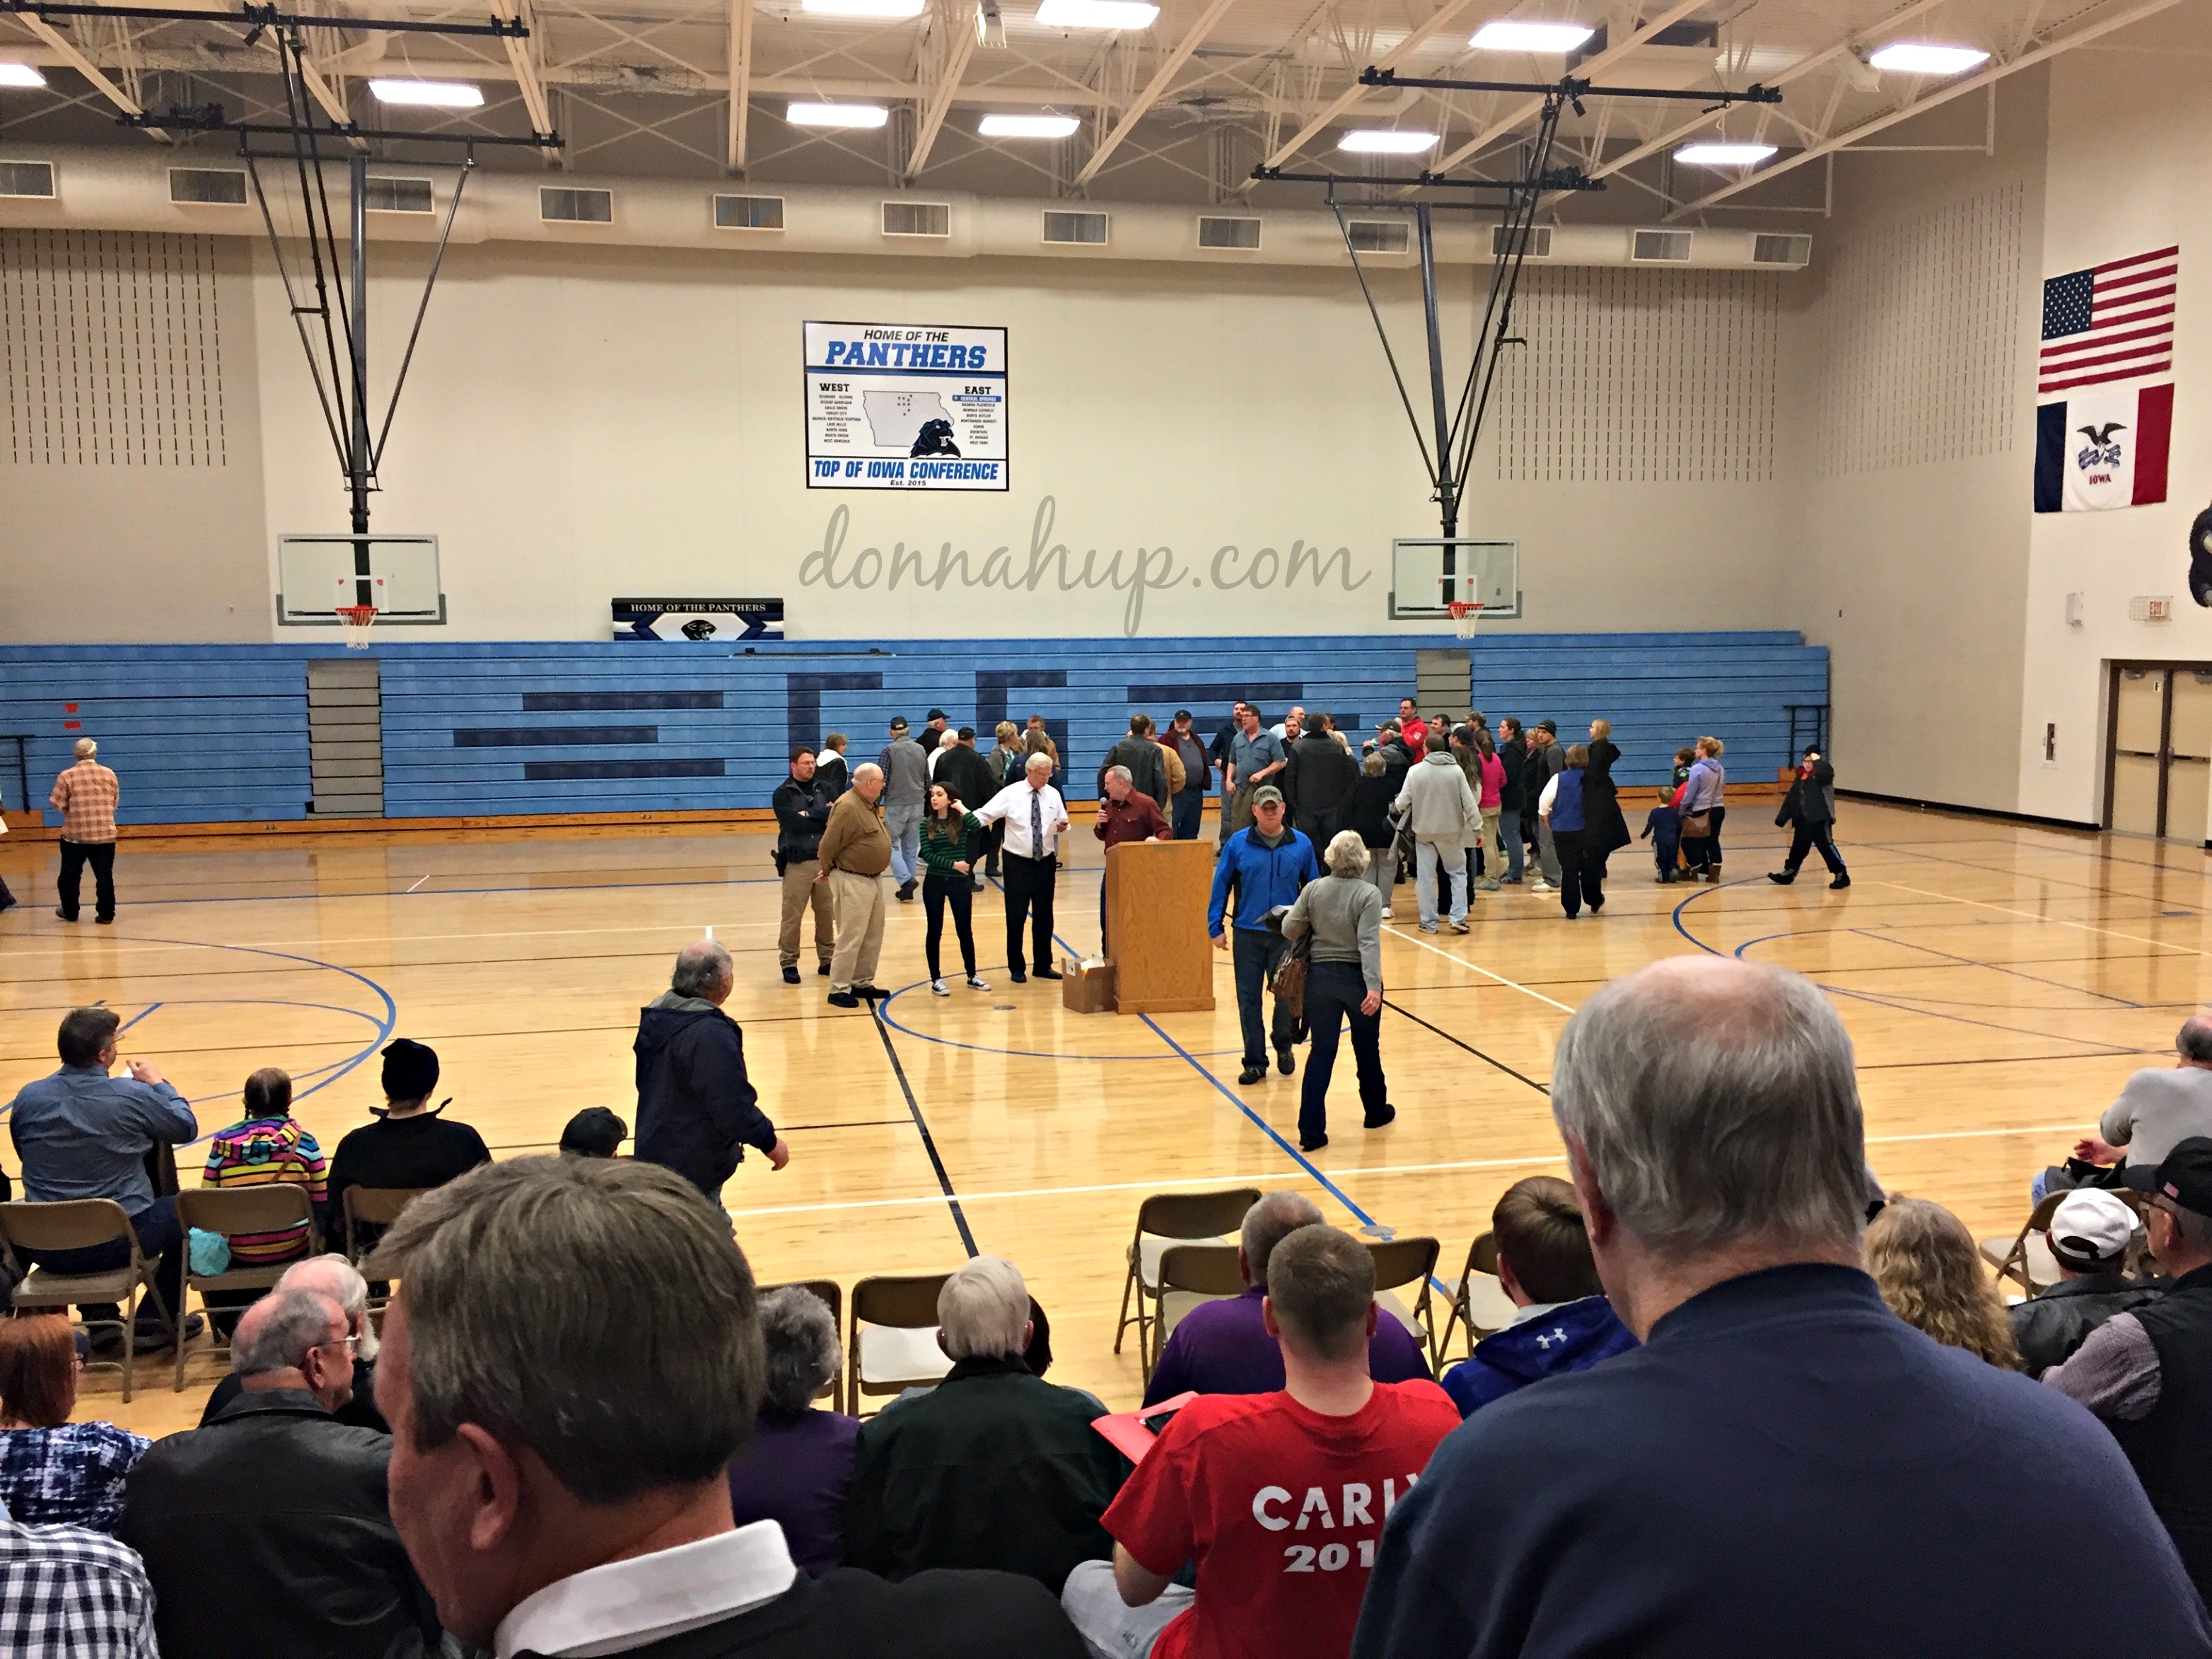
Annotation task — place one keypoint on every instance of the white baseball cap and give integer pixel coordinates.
(2090, 1228)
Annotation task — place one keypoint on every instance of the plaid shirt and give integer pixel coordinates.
(69, 1475)
(68, 1594)
(85, 796)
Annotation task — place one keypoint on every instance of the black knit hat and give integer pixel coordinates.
(411, 1069)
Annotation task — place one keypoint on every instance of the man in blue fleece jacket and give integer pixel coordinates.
(1565, 1322)
(1268, 863)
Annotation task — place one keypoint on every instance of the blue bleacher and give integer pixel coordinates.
(216, 733)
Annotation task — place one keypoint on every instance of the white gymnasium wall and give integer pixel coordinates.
(1912, 442)
(2130, 128)
(585, 422)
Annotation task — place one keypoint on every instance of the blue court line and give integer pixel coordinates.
(136, 1017)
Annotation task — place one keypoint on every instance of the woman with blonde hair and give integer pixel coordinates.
(1006, 761)
(1925, 1262)
(1343, 910)
(1702, 808)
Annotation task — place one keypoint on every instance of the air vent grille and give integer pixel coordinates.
(1086, 230)
(563, 205)
(31, 178)
(207, 186)
(1215, 231)
(1379, 235)
(1540, 242)
(396, 195)
(749, 213)
(1665, 247)
(917, 219)
(1781, 250)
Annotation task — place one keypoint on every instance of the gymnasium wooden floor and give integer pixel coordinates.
(2000, 981)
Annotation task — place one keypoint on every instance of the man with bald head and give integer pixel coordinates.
(697, 1110)
(854, 851)
(2161, 1107)
(333, 1276)
(267, 1530)
(1783, 1454)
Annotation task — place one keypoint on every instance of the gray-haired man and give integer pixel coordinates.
(333, 1276)
(560, 1477)
(1783, 1454)
(696, 1109)
(268, 1531)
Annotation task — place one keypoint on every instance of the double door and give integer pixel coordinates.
(2158, 761)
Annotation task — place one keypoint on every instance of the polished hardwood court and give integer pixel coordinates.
(2000, 981)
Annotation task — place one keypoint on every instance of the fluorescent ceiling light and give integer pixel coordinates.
(21, 75)
(438, 95)
(1379, 142)
(835, 115)
(1097, 14)
(1507, 36)
(1920, 58)
(1027, 126)
(1722, 155)
(863, 7)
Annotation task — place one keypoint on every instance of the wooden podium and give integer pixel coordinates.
(1156, 897)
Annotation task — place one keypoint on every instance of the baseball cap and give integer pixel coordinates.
(1265, 793)
(2090, 1229)
(898, 722)
(2185, 1177)
(411, 1069)
(937, 715)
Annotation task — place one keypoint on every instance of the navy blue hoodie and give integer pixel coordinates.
(697, 1111)
(1572, 1337)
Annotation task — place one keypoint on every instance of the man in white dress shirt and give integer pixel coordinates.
(1035, 819)
(564, 1491)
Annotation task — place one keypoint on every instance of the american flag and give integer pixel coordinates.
(2110, 322)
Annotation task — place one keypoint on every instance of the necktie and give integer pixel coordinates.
(1037, 823)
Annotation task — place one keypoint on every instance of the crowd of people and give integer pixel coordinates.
(1722, 1325)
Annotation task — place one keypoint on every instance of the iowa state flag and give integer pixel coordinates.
(2103, 448)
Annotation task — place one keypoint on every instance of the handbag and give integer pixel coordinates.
(1698, 826)
(1291, 975)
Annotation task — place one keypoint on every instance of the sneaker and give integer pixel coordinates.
(1251, 1074)
(1456, 925)
(1509, 881)
(1843, 880)
(1386, 913)
(1782, 878)
(790, 975)
(1541, 886)
(1486, 885)
(843, 1000)
(1428, 927)
(975, 983)
(1285, 1061)
(1381, 1116)
(936, 989)
(1048, 973)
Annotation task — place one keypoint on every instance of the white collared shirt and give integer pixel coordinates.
(1013, 804)
(625, 1604)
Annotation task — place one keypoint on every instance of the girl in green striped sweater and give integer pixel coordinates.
(946, 825)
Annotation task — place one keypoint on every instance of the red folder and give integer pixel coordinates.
(1127, 1431)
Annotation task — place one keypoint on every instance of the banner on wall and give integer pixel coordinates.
(905, 406)
(2106, 330)
(2103, 448)
(701, 621)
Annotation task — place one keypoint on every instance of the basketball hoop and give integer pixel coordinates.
(1464, 615)
(354, 621)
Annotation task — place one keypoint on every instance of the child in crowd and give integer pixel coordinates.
(1663, 830)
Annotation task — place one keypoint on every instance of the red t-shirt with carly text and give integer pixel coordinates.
(1282, 1508)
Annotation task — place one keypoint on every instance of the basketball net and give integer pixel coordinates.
(354, 621)
(1464, 615)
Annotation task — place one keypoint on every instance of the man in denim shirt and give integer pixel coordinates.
(81, 1134)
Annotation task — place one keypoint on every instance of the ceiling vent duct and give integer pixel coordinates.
(562, 205)
(207, 186)
(1379, 235)
(397, 195)
(1661, 247)
(917, 218)
(1217, 232)
(1080, 229)
(1540, 242)
(1774, 249)
(749, 213)
(33, 180)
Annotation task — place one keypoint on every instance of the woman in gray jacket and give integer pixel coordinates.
(1344, 980)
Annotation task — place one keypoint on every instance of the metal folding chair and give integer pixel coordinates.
(1163, 1221)
(231, 1212)
(891, 1341)
(1401, 1262)
(78, 1224)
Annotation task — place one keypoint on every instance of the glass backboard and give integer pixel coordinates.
(1428, 574)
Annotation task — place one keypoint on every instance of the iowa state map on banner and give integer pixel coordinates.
(2106, 332)
(905, 406)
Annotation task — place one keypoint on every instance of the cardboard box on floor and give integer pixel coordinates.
(1086, 987)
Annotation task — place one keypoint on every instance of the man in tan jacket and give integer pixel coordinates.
(856, 850)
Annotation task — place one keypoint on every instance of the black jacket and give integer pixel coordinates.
(802, 811)
(1317, 781)
(831, 773)
(697, 1111)
(1512, 796)
(1603, 827)
(967, 774)
(1811, 800)
(2049, 1327)
(850, 1614)
(2172, 1447)
(1369, 812)
(1148, 767)
(267, 1532)
(359, 1412)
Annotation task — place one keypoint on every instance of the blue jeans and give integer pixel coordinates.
(1334, 991)
(1189, 808)
(1509, 830)
(1256, 950)
(905, 825)
(1427, 856)
(159, 1235)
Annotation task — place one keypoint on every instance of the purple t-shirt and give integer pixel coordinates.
(1222, 1347)
(795, 1471)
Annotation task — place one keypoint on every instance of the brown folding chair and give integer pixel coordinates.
(78, 1224)
(377, 1208)
(891, 1341)
(1163, 1221)
(1401, 1262)
(1190, 1274)
(831, 1295)
(232, 1211)
(1477, 1298)
(2026, 1259)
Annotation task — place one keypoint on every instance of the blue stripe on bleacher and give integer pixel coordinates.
(219, 733)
